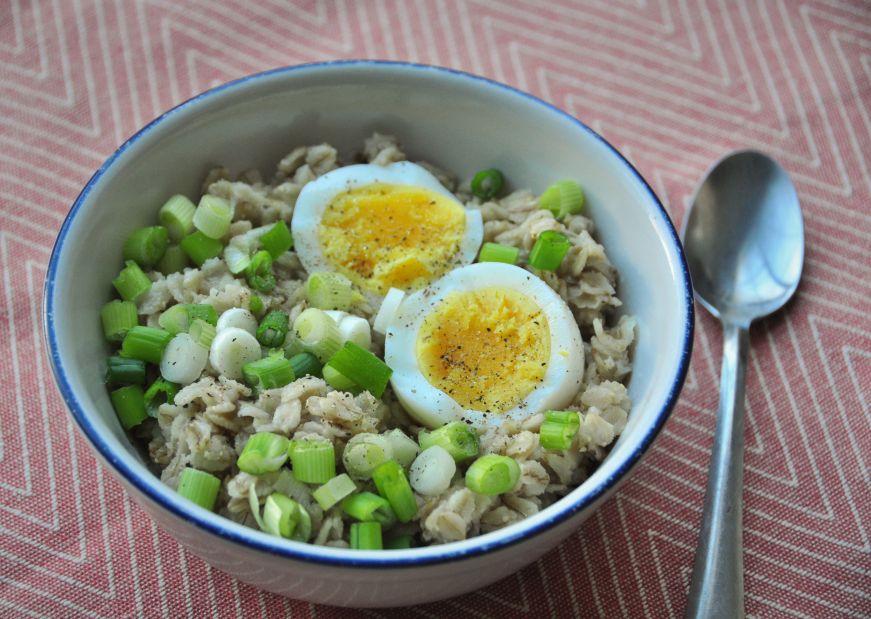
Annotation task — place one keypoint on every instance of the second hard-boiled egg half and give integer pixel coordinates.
(485, 342)
(384, 227)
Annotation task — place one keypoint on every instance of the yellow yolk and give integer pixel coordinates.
(487, 349)
(392, 236)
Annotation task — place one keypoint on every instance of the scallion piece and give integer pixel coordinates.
(456, 438)
(200, 487)
(122, 371)
(259, 272)
(202, 332)
(364, 452)
(399, 542)
(277, 239)
(145, 343)
(160, 392)
(284, 517)
(213, 216)
(339, 381)
(118, 317)
(366, 536)
(329, 290)
(317, 333)
(494, 252)
(177, 216)
(362, 367)
(487, 184)
(200, 247)
(146, 246)
(313, 461)
(369, 507)
(129, 404)
(175, 319)
(405, 449)
(269, 372)
(392, 484)
(305, 364)
(174, 260)
(492, 474)
(562, 198)
(334, 491)
(558, 429)
(255, 304)
(549, 250)
(132, 282)
(273, 329)
(264, 452)
(203, 311)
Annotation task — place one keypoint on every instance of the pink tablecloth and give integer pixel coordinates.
(673, 84)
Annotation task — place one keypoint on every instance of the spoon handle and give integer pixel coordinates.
(717, 587)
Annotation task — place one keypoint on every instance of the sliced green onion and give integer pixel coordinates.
(129, 404)
(492, 475)
(494, 252)
(203, 311)
(284, 517)
(487, 184)
(269, 372)
(329, 291)
(562, 198)
(255, 304)
(366, 536)
(132, 282)
(549, 250)
(122, 371)
(317, 333)
(259, 272)
(405, 450)
(200, 248)
(200, 487)
(558, 429)
(177, 215)
(146, 246)
(313, 461)
(145, 343)
(292, 345)
(175, 319)
(213, 216)
(160, 392)
(174, 260)
(118, 317)
(432, 471)
(338, 381)
(305, 364)
(264, 452)
(369, 507)
(237, 255)
(277, 239)
(399, 542)
(456, 438)
(362, 367)
(202, 332)
(273, 329)
(334, 491)
(364, 452)
(392, 484)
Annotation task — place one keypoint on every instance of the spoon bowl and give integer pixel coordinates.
(744, 242)
(744, 238)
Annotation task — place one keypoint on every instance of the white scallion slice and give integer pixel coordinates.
(237, 317)
(387, 311)
(183, 360)
(231, 349)
(405, 449)
(431, 472)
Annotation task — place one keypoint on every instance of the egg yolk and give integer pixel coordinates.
(487, 349)
(392, 236)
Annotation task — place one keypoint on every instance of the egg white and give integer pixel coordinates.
(316, 196)
(433, 407)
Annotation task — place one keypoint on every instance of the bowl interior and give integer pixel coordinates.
(458, 122)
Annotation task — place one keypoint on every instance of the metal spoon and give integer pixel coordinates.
(744, 242)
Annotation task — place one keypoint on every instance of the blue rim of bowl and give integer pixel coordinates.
(144, 481)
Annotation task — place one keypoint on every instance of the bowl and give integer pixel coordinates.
(456, 120)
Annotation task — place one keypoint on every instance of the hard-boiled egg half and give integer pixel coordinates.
(384, 227)
(485, 342)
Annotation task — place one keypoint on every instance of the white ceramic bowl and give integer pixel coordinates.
(458, 121)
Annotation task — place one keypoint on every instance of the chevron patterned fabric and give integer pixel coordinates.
(674, 84)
